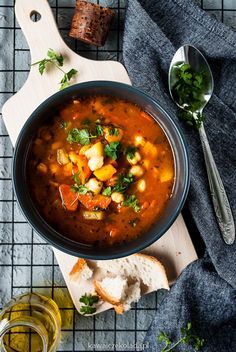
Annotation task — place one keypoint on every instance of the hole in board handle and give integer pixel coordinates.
(35, 16)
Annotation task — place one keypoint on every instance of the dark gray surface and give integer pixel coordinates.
(154, 31)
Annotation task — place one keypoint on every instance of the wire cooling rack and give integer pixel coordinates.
(26, 262)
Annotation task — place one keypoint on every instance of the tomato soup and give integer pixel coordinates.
(102, 171)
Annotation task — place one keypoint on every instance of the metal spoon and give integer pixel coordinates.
(189, 54)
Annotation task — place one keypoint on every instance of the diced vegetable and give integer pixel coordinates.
(67, 169)
(94, 185)
(139, 140)
(93, 215)
(95, 150)
(112, 181)
(62, 157)
(134, 159)
(73, 157)
(150, 149)
(105, 172)
(141, 185)
(94, 202)
(95, 162)
(42, 168)
(84, 149)
(117, 197)
(83, 168)
(146, 163)
(136, 170)
(68, 197)
(55, 168)
(113, 134)
(166, 174)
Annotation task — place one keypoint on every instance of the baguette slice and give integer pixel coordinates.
(80, 271)
(139, 267)
(111, 289)
(133, 294)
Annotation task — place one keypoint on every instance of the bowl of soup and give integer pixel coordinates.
(100, 170)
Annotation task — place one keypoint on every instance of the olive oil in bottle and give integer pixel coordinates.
(30, 323)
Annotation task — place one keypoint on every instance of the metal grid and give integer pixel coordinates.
(26, 262)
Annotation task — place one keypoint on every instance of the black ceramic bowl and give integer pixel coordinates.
(41, 115)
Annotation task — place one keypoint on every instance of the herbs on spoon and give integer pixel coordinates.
(56, 60)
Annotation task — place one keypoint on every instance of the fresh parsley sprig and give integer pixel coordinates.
(187, 337)
(123, 183)
(132, 202)
(112, 150)
(58, 61)
(80, 136)
(88, 300)
(130, 151)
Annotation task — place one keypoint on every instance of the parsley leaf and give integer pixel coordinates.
(79, 136)
(186, 338)
(130, 151)
(81, 189)
(113, 131)
(88, 300)
(107, 192)
(65, 82)
(123, 183)
(99, 130)
(112, 150)
(76, 177)
(63, 124)
(57, 60)
(132, 202)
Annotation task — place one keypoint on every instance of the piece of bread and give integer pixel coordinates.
(80, 271)
(140, 267)
(133, 294)
(112, 289)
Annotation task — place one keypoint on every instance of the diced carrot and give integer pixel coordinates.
(68, 197)
(83, 168)
(146, 116)
(91, 202)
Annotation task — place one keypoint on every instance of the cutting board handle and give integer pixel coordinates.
(42, 34)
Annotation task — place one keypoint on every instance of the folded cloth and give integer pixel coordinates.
(154, 30)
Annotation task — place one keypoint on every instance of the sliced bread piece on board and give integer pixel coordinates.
(140, 267)
(133, 294)
(112, 289)
(80, 271)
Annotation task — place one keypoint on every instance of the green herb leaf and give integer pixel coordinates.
(107, 192)
(130, 151)
(42, 66)
(65, 82)
(112, 150)
(186, 338)
(86, 123)
(123, 183)
(81, 189)
(79, 136)
(58, 58)
(63, 124)
(88, 300)
(113, 131)
(99, 130)
(132, 202)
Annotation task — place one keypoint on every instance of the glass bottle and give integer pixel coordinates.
(30, 323)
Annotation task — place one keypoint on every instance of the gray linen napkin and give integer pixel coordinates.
(204, 293)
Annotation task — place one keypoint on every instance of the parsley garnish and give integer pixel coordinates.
(79, 136)
(186, 338)
(113, 131)
(188, 91)
(76, 177)
(132, 202)
(107, 192)
(112, 150)
(130, 151)
(123, 183)
(81, 189)
(99, 130)
(64, 124)
(86, 123)
(57, 60)
(89, 301)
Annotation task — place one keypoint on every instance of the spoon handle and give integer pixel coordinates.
(220, 201)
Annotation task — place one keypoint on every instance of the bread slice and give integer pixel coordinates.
(139, 267)
(112, 289)
(133, 294)
(80, 271)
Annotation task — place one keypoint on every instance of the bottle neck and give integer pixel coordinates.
(26, 321)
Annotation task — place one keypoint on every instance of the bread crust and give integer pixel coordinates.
(102, 293)
(77, 269)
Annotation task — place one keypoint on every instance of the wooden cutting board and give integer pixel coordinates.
(175, 248)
